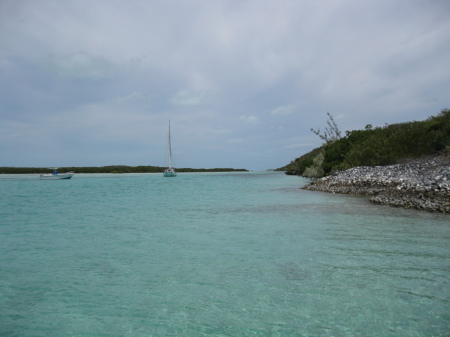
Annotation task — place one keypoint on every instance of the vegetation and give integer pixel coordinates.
(299, 165)
(375, 146)
(108, 169)
(316, 169)
(332, 132)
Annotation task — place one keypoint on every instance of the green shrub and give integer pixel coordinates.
(379, 146)
(316, 169)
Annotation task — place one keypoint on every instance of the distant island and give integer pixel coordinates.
(110, 169)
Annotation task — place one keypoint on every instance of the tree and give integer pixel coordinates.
(332, 132)
(315, 170)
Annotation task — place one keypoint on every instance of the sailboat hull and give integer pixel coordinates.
(170, 173)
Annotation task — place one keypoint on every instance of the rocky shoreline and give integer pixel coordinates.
(422, 184)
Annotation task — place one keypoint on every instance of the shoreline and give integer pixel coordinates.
(421, 184)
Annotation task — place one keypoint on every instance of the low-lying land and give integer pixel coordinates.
(422, 184)
(108, 169)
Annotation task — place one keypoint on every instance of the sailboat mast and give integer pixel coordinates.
(170, 149)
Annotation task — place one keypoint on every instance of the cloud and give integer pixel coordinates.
(249, 119)
(80, 65)
(235, 141)
(73, 70)
(297, 146)
(132, 97)
(189, 98)
(283, 110)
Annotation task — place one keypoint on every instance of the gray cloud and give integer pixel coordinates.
(189, 97)
(81, 66)
(283, 110)
(242, 82)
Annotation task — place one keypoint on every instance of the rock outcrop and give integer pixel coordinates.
(422, 184)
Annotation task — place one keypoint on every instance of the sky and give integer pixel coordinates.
(95, 82)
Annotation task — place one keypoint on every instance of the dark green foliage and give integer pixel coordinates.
(299, 165)
(384, 145)
(210, 170)
(335, 153)
(392, 143)
(107, 169)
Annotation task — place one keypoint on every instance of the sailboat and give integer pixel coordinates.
(170, 171)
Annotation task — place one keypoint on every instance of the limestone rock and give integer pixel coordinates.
(422, 184)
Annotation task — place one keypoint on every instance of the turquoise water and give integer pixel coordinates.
(215, 254)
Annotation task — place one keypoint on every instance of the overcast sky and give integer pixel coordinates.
(95, 82)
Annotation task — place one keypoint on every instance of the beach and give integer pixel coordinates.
(422, 184)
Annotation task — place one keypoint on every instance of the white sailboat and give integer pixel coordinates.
(170, 171)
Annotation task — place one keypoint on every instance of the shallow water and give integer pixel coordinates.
(215, 254)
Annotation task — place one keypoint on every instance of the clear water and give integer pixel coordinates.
(215, 254)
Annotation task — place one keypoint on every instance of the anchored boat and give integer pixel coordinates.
(55, 175)
(170, 171)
